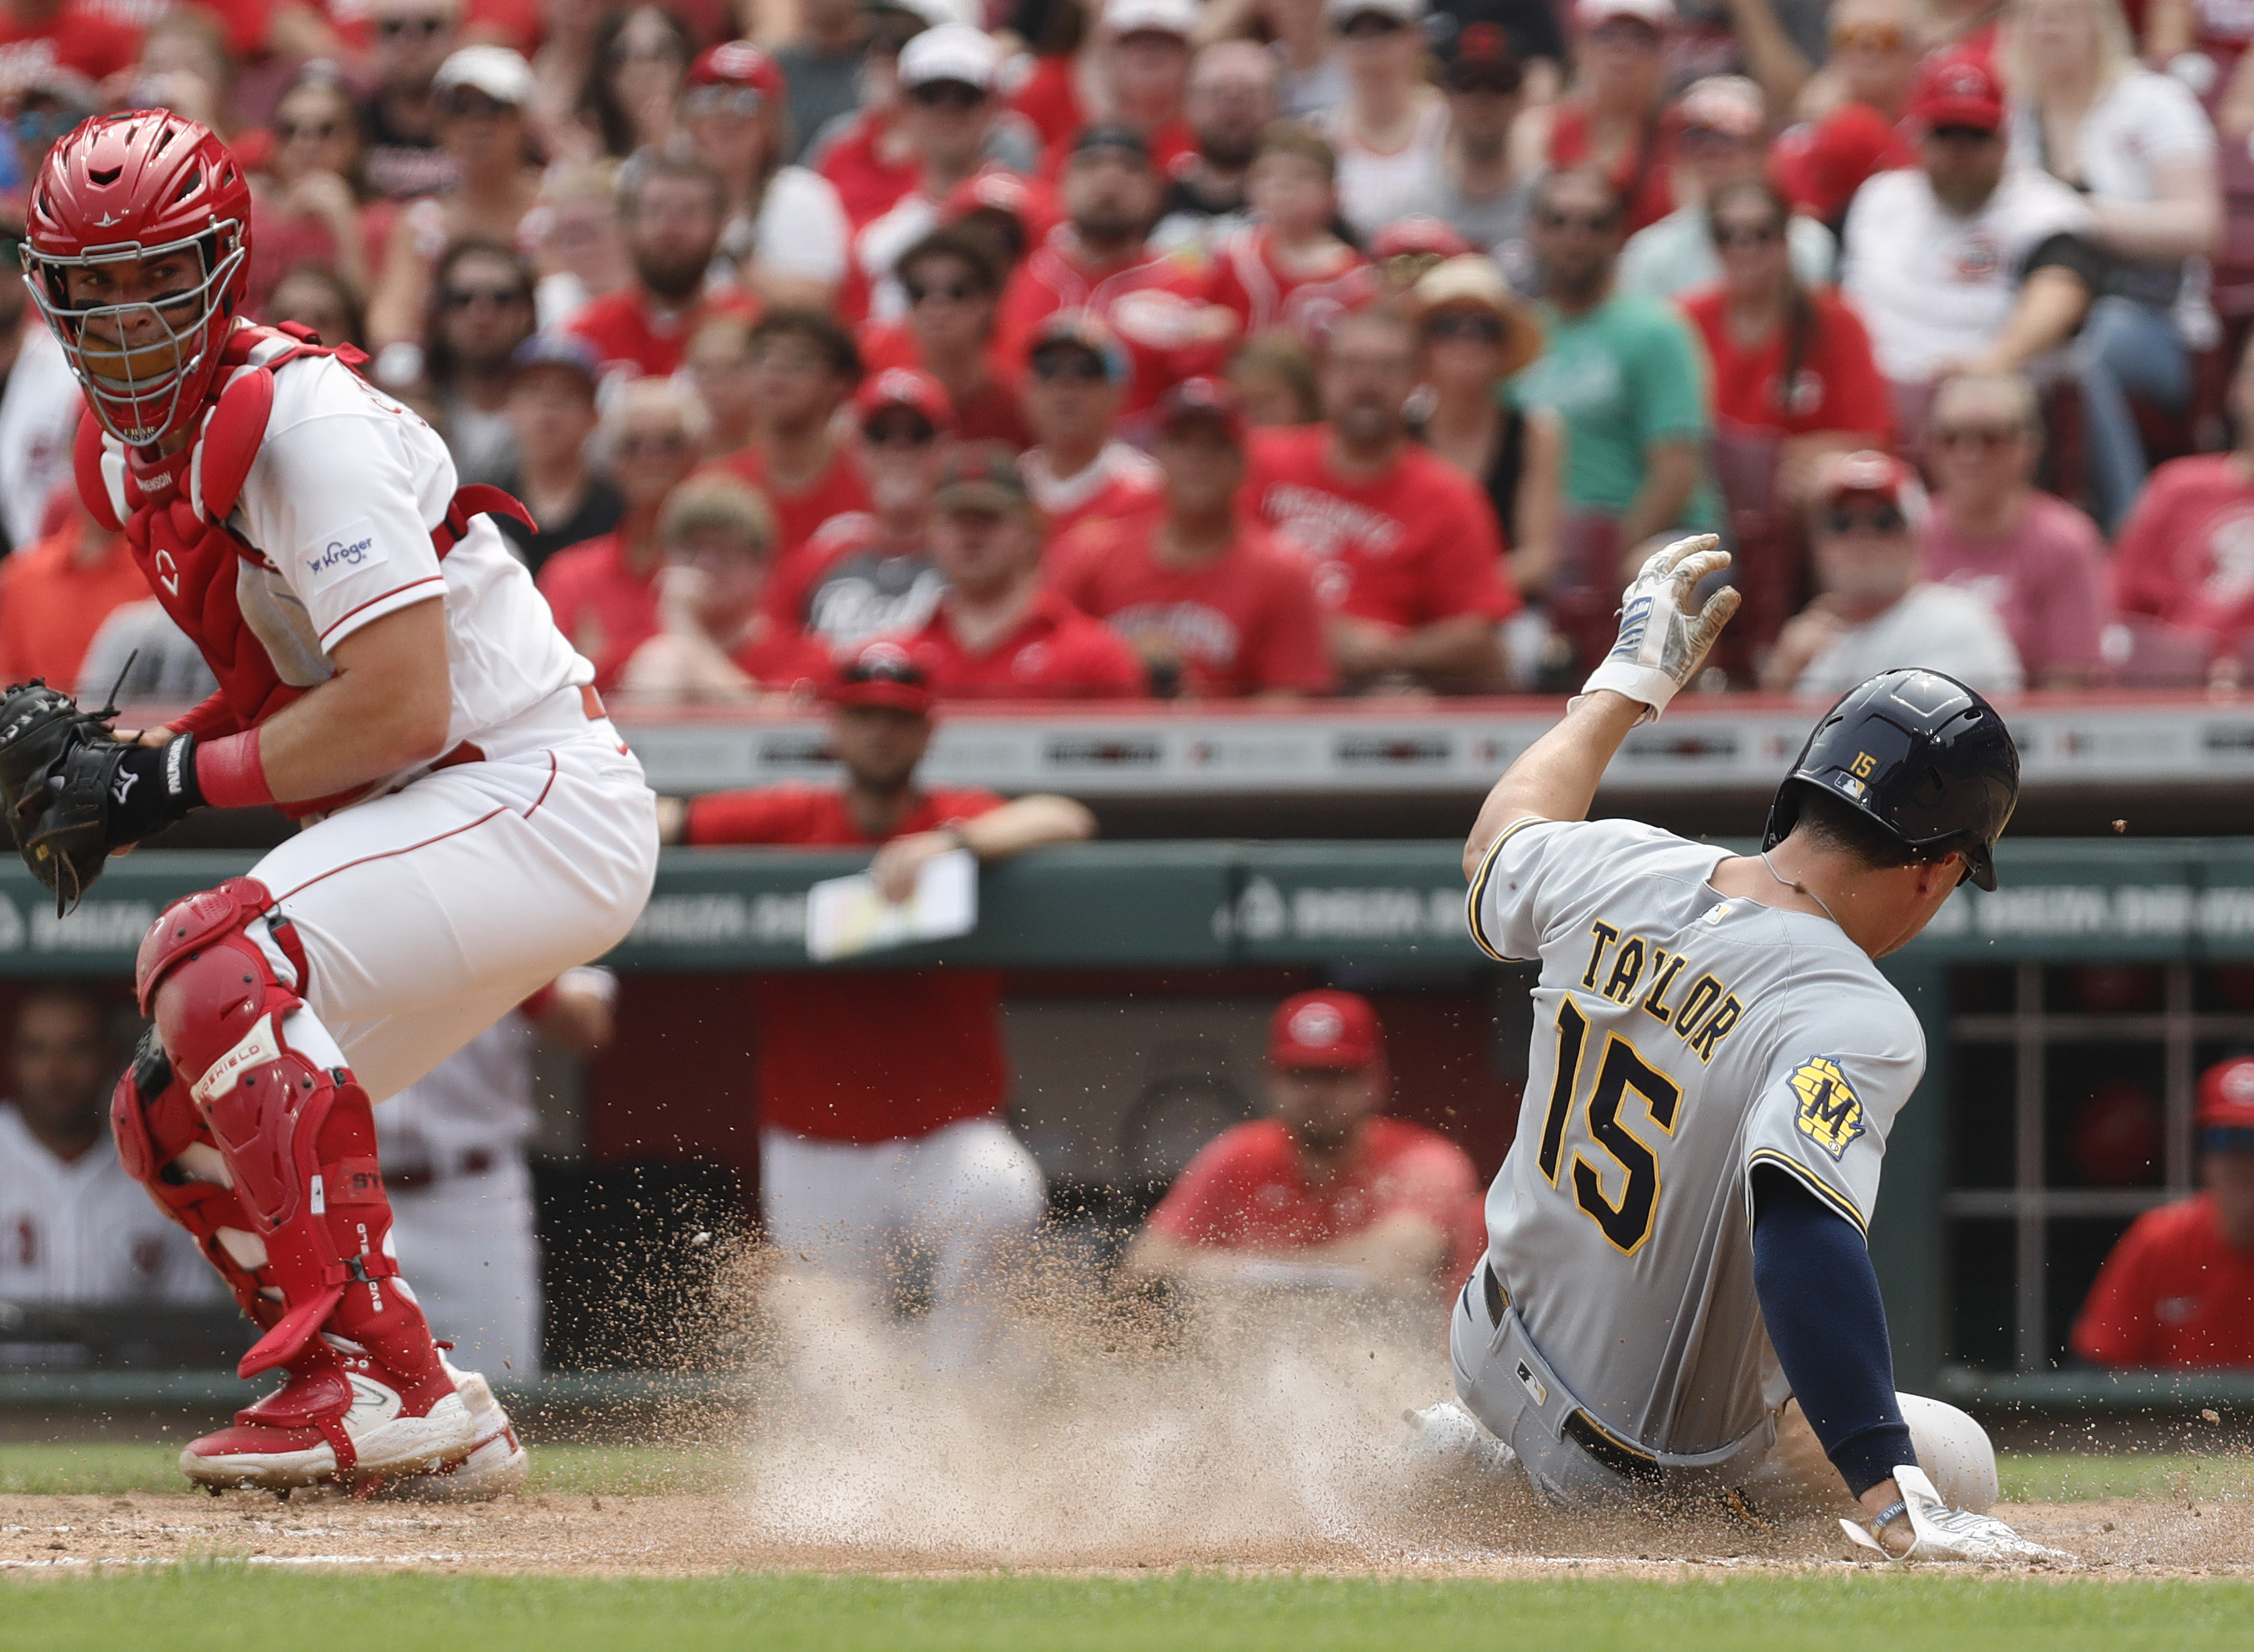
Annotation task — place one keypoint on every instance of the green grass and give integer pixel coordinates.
(109, 1468)
(112, 1467)
(2072, 1477)
(224, 1608)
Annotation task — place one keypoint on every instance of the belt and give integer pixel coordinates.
(1608, 1450)
(406, 1178)
(467, 752)
(1603, 1448)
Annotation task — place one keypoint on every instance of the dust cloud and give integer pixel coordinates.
(1255, 1428)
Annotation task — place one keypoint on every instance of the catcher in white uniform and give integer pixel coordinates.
(1676, 1240)
(389, 675)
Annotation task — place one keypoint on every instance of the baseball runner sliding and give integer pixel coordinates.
(1675, 1290)
(472, 825)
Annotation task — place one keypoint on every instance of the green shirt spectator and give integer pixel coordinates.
(1627, 378)
(1622, 376)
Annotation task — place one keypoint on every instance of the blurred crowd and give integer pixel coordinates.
(1212, 349)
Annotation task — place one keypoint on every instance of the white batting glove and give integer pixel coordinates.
(1942, 1533)
(1663, 641)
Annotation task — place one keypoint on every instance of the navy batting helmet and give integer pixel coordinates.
(1923, 756)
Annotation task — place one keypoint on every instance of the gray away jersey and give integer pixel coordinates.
(1680, 1038)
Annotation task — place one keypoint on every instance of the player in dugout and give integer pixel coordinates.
(2175, 1292)
(1326, 1191)
(76, 1229)
(881, 1092)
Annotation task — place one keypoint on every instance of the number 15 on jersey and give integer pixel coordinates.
(1623, 1083)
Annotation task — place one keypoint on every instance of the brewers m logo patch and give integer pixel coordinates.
(1830, 1114)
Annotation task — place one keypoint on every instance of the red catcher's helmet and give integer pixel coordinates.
(119, 189)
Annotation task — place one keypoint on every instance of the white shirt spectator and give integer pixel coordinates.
(452, 1147)
(1678, 254)
(81, 1233)
(801, 230)
(479, 1100)
(2139, 121)
(146, 658)
(1372, 185)
(1115, 462)
(1933, 287)
(1937, 627)
(39, 423)
(463, 1220)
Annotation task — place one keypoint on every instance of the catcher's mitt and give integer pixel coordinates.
(73, 791)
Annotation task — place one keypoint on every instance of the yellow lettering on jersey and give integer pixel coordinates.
(1664, 968)
(1627, 969)
(1716, 1028)
(1705, 992)
(1830, 1113)
(1604, 934)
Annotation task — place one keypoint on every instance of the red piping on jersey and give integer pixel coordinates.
(428, 579)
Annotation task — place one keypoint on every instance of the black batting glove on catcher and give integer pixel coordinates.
(74, 791)
(144, 788)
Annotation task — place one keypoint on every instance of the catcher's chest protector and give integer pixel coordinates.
(175, 521)
(176, 508)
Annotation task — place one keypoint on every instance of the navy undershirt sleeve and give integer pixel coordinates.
(1820, 1296)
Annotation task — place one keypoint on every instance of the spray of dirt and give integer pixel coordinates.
(1251, 1430)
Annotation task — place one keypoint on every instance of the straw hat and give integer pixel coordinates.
(1475, 280)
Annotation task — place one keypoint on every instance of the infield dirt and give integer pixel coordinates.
(1255, 1434)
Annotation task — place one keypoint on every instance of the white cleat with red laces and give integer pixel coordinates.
(497, 1464)
(339, 1416)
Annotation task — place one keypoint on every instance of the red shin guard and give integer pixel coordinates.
(154, 1120)
(299, 1138)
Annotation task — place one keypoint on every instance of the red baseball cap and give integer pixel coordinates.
(1730, 104)
(1212, 401)
(1435, 238)
(1821, 165)
(1326, 1029)
(1594, 14)
(2226, 1095)
(881, 674)
(904, 387)
(738, 63)
(1956, 89)
(1880, 474)
(996, 191)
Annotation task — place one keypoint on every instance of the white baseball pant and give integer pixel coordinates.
(428, 914)
(465, 1245)
(958, 1200)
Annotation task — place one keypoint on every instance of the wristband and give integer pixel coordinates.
(154, 787)
(230, 774)
(1887, 1516)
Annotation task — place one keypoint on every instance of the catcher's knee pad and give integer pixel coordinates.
(1955, 1452)
(216, 997)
